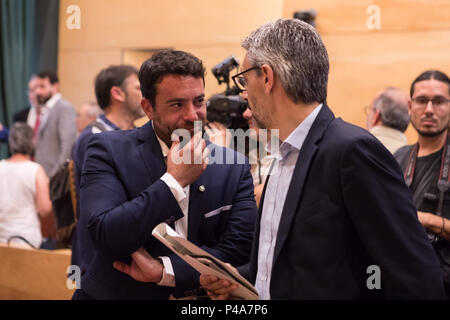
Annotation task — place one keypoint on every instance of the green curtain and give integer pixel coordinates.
(28, 44)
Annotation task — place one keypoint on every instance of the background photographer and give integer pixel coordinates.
(425, 164)
(228, 110)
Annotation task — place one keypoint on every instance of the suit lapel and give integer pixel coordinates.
(195, 208)
(151, 153)
(305, 158)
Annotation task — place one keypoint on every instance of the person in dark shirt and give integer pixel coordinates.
(424, 164)
(119, 95)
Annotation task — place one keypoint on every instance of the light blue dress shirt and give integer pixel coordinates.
(275, 196)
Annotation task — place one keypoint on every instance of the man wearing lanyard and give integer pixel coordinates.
(336, 208)
(426, 163)
(119, 95)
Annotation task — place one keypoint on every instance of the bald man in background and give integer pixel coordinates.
(388, 118)
(87, 114)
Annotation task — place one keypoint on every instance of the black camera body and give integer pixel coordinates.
(227, 107)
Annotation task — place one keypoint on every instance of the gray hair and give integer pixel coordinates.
(297, 55)
(21, 139)
(394, 112)
(94, 109)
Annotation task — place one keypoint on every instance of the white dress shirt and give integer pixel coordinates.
(181, 225)
(275, 196)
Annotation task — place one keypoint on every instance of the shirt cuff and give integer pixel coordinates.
(174, 186)
(168, 278)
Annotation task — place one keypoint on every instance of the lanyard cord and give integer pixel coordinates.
(444, 176)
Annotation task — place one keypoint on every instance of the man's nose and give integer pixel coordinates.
(244, 94)
(247, 114)
(429, 108)
(191, 113)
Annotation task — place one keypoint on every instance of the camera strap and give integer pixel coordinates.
(444, 174)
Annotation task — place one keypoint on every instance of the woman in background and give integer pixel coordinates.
(24, 190)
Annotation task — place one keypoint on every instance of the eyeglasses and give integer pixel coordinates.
(240, 81)
(437, 102)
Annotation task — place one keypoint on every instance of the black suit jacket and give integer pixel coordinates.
(122, 199)
(348, 208)
(21, 115)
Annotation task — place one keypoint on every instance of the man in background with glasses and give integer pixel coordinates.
(426, 163)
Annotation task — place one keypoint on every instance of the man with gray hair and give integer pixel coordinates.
(388, 118)
(336, 220)
(87, 114)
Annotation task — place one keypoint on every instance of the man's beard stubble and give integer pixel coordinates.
(430, 134)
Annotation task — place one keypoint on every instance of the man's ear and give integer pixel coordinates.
(376, 119)
(147, 107)
(55, 87)
(117, 94)
(409, 107)
(268, 75)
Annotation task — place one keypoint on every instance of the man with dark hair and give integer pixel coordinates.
(131, 182)
(388, 118)
(30, 113)
(119, 95)
(54, 124)
(336, 220)
(425, 164)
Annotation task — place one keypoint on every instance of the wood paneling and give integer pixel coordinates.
(108, 28)
(29, 274)
(350, 16)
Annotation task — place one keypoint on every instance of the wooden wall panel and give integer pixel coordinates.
(350, 16)
(112, 27)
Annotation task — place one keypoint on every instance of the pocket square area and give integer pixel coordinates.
(217, 211)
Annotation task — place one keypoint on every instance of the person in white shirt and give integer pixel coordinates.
(24, 191)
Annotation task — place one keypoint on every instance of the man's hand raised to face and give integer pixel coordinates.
(188, 163)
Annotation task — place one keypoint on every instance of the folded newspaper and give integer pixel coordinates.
(202, 261)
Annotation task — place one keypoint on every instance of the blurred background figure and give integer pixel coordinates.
(55, 124)
(87, 114)
(29, 114)
(388, 118)
(3, 133)
(24, 191)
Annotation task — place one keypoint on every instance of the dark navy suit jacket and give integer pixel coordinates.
(124, 199)
(348, 208)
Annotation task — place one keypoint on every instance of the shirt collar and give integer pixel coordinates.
(52, 101)
(295, 140)
(164, 147)
(107, 122)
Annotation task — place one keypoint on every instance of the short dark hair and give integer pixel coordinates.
(113, 76)
(21, 139)
(428, 75)
(166, 62)
(51, 75)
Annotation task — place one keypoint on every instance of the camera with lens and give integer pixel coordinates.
(227, 107)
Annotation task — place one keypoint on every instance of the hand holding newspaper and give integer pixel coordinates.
(202, 261)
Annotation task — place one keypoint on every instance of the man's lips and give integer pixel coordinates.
(428, 122)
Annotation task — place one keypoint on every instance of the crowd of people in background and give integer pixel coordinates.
(343, 198)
